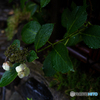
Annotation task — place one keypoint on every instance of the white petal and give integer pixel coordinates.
(6, 66)
(20, 68)
(26, 71)
(21, 74)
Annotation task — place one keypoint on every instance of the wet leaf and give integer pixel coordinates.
(61, 61)
(72, 21)
(29, 31)
(91, 36)
(43, 35)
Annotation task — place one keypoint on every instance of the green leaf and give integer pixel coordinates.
(9, 76)
(91, 36)
(47, 66)
(79, 17)
(22, 2)
(75, 19)
(65, 17)
(73, 40)
(61, 60)
(32, 7)
(29, 31)
(43, 3)
(32, 56)
(73, 5)
(43, 35)
(16, 43)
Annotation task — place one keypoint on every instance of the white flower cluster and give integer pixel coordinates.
(22, 69)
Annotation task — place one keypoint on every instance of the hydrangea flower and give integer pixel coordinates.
(22, 70)
(6, 66)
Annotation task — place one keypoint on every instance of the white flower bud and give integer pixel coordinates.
(22, 70)
(6, 65)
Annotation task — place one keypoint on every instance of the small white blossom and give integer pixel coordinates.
(21, 74)
(20, 67)
(22, 70)
(6, 65)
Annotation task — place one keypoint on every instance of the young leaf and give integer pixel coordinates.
(47, 66)
(16, 43)
(61, 60)
(43, 3)
(91, 36)
(29, 31)
(43, 35)
(8, 76)
(32, 56)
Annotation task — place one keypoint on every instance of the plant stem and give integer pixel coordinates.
(49, 42)
(43, 48)
(66, 41)
(52, 44)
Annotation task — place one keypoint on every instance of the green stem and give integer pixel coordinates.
(52, 44)
(66, 41)
(49, 42)
(44, 48)
(60, 40)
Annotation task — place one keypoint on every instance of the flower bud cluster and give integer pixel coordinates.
(16, 55)
(22, 69)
